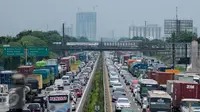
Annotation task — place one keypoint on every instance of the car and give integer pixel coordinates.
(78, 91)
(123, 72)
(83, 82)
(121, 103)
(88, 69)
(59, 84)
(73, 105)
(117, 85)
(128, 80)
(120, 90)
(117, 94)
(113, 74)
(73, 96)
(113, 81)
(129, 110)
(34, 107)
(49, 89)
(78, 83)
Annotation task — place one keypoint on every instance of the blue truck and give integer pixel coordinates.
(6, 77)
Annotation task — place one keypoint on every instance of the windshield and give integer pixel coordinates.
(65, 78)
(117, 84)
(146, 88)
(33, 106)
(160, 103)
(76, 90)
(58, 99)
(49, 89)
(119, 89)
(123, 101)
(114, 79)
(192, 103)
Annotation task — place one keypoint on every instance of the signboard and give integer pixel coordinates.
(13, 51)
(38, 51)
(97, 108)
(58, 98)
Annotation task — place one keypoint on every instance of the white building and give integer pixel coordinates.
(151, 31)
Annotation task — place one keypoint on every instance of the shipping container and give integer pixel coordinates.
(56, 72)
(25, 69)
(162, 77)
(39, 78)
(51, 69)
(45, 76)
(170, 86)
(52, 62)
(163, 69)
(183, 90)
(74, 67)
(6, 77)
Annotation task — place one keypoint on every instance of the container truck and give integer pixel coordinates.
(52, 62)
(180, 91)
(6, 77)
(158, 101)
(38, 77)
(26, 70)
(51, 69)
(45, 76)
(66, 61)
(55, 68)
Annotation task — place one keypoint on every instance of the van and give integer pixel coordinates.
(66, 80)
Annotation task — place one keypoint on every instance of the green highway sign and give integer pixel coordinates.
(38, 51)
(13, 51)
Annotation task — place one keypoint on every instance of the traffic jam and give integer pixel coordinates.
(52, 85)
(145, 84)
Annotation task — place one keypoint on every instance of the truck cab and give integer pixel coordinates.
(144, 86)
(158, 101)
(190, 105)
(4, 102)
(3, 88)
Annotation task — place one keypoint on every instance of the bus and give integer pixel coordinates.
(59, 101)
(159, 101)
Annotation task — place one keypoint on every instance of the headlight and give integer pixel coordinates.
(144, 99)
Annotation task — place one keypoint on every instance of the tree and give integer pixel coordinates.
(184, 36)
(32, 41)
(124, 39)
(83, 39)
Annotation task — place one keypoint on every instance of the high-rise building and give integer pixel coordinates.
(195, 30)
(151, 31)
(172, 25)
(86, 25)
(69, 31)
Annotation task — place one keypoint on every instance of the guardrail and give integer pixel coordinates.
(87, 88)
(107, 96)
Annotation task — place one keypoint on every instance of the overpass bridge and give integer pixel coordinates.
(112, 46)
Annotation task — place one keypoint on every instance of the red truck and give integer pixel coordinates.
(66, 60)
(25, 69)
(181, 91)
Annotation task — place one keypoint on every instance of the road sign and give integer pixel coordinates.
(97, 108)
(13, 51)
(38, 51)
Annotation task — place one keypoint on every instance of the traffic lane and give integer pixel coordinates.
(129, 96)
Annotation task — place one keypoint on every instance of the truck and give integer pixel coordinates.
(138, 68)
(38, 77)
(66, 61)
(158, 101)
(34, 84)
(51, 69)
(6, 77)
(45, 76)
(124, 59)
(190, 105)
(26, 70)
(180, 91)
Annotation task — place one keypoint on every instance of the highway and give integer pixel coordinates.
(134, 105)
(80, 101)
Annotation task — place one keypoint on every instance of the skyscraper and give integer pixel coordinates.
(86, 25)
(69, 30)
(151, 31)
(171, 25)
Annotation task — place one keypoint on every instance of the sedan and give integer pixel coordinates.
(34, 107)
(120, 90)
(117, 85)
(116, 95)
(122, 103)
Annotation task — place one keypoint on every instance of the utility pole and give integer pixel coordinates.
(145, 29)
(62, 39)
(186, 56)
(173, 37)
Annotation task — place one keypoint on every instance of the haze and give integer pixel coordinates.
(117, 15)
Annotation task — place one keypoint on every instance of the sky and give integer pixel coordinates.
(112, 15)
